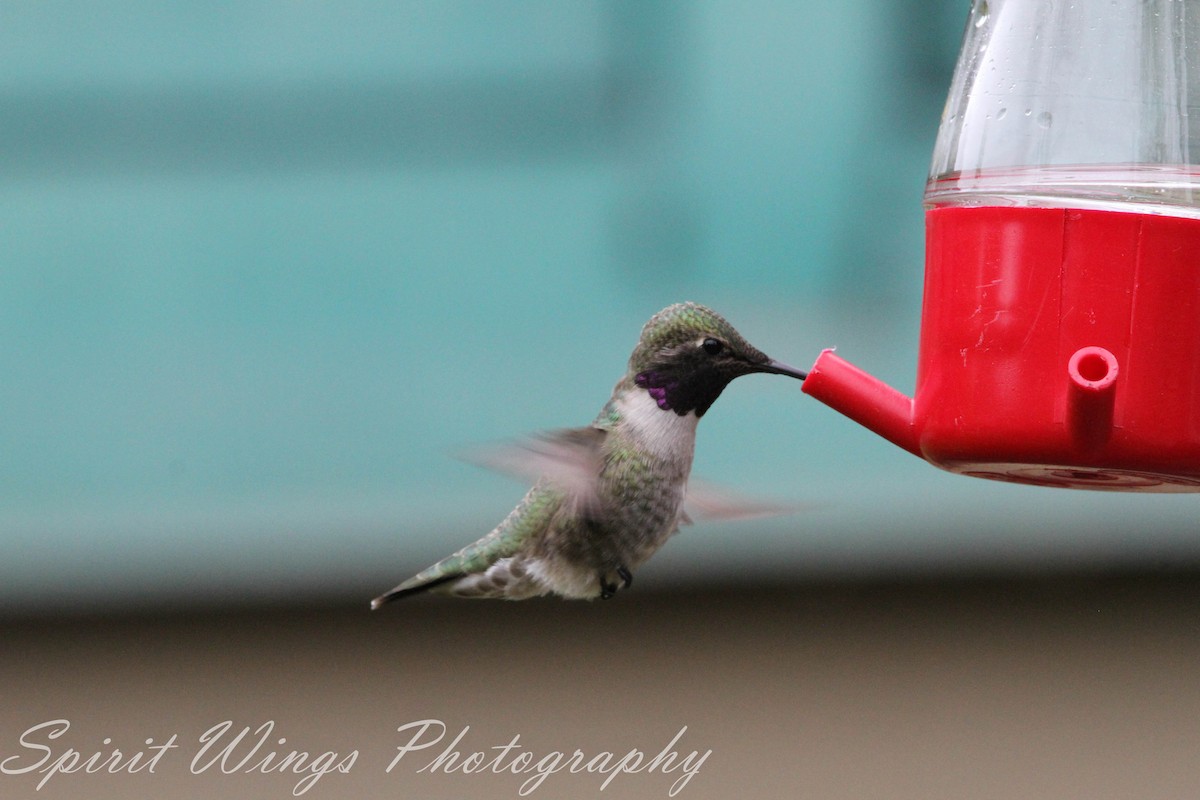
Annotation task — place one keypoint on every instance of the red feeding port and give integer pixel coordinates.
(1059, 347)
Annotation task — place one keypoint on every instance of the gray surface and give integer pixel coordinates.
(1053, 689)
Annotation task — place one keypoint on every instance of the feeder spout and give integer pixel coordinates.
(1092, 382)
(865, 399)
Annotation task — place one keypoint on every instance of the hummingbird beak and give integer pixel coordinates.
(779, 368)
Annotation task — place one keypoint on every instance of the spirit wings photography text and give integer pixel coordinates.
(46, 751)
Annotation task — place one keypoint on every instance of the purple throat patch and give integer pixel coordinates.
(657, 387)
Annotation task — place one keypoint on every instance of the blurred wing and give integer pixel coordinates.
(570, 459)
(708, 501)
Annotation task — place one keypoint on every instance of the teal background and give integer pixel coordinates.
(266, 266)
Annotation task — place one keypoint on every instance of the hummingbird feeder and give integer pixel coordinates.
(1060, 323)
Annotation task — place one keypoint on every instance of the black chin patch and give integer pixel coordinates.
(696, 393)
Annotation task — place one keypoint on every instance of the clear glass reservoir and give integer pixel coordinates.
(1078, 104)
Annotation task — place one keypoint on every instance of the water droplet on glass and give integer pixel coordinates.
(1044, 119)
(1001, 113)
(1028, 111)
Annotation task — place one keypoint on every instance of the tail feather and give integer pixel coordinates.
(407, 590)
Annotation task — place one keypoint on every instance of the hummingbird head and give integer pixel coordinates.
(688, 354)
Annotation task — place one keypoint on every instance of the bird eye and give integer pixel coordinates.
(712, 346)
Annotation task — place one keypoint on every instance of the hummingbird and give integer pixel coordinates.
(609, 495)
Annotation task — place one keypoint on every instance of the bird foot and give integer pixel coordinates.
(608, 589)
